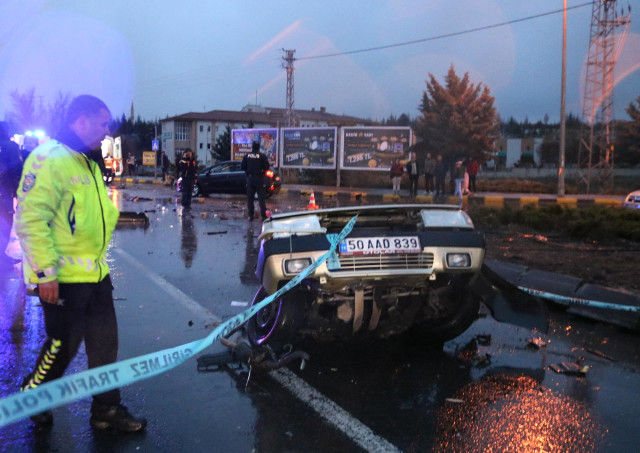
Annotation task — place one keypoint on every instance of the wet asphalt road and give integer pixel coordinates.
(488, 390)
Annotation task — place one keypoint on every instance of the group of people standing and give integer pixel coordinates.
(462, 174)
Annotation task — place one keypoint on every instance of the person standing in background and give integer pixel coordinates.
(429, 172)
(29, 144)
(188, 173)
(131, 164)
(164, 163)
(458, 175)
(440, 174)
(413, 170)
(254, 164)
(472, 169)
(397, 170)
(10, 170)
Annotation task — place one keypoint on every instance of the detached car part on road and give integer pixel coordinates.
(228, 177)
(401, 267)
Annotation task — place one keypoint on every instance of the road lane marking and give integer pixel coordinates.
(179, 296)
(342, 420)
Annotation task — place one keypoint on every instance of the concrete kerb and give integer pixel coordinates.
(493, 200)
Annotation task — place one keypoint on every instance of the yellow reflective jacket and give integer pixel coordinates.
(64, 218)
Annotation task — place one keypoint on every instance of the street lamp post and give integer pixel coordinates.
(562, 102)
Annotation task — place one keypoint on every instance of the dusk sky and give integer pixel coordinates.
(173, 57)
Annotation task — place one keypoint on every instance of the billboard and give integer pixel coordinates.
(373, 148)
(241, 140)
(308, 147)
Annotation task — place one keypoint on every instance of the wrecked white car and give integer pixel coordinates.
(401, 267)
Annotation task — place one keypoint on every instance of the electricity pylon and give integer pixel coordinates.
(596, 152)
(287, 63)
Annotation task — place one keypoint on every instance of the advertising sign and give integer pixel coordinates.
(241, 140)
(149, 158)
(373, 148)
(308, 147)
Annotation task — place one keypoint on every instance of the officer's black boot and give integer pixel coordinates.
(116, 417)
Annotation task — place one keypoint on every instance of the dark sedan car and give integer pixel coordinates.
(228, 177)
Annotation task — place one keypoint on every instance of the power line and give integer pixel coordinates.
(447, 35)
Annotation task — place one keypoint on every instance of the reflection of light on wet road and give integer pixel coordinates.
(116, 198)
(503, 413)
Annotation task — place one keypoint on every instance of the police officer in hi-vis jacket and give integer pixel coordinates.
(64, 222)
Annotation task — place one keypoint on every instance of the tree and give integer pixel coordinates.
(628, 137)
(30, 111)
(550, 148)
(222, 147)
(458, 119)
(403, 120)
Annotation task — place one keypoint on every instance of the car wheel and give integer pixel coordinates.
(450, 311)
(196, 191)
(278, 323)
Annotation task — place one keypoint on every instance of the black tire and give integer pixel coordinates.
(278, 324)
(456, 309)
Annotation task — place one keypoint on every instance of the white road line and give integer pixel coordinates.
(342, 420)
(334, 414)
(180, 297)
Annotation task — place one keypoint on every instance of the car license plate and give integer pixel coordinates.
(380, 245)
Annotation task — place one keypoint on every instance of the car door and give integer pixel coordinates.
(204, 180)
(218, 178)
(237, 178)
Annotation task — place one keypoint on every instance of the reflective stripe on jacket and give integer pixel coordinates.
(64, 218)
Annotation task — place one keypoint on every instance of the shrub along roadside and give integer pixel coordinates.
(596, 222)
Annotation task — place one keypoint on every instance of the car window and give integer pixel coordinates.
(221, 168)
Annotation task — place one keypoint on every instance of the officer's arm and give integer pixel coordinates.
(39, 196)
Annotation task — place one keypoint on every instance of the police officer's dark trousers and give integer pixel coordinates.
(187, 192)
(255, 185)
(86, 313)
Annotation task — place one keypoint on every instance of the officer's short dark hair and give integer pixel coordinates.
(85, 104)
(255, 147)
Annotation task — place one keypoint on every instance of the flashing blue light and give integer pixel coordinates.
(39, 133)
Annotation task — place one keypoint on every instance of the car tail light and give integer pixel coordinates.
(269, 173)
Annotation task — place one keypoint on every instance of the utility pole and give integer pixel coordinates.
(288, 65)
(563, 96)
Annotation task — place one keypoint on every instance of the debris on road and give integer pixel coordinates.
(484, 339)
(601, 354)
(537, 342)
(570, 368)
